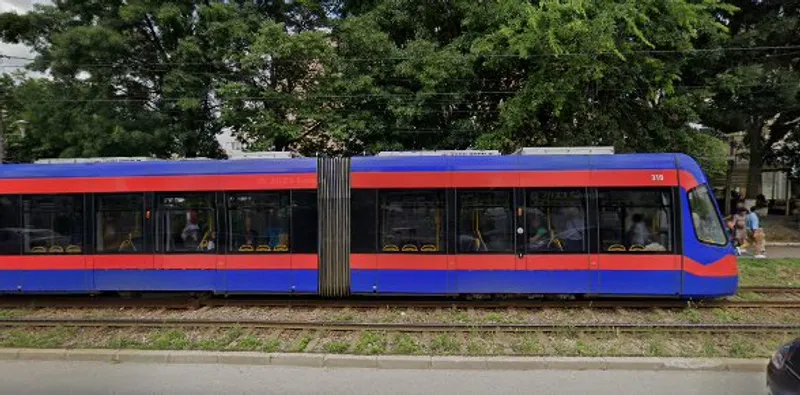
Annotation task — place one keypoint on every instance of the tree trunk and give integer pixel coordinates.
(756, 160)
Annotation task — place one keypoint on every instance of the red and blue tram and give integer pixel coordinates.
(606, 225)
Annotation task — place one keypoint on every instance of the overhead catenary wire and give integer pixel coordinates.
(486, 55)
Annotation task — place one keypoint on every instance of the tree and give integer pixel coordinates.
(272, 101)
(506, 74)
(756, 82)
(62, 120)
(166, 56)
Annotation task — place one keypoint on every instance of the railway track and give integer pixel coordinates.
(175, 302)
(400, 327)
(770, 290)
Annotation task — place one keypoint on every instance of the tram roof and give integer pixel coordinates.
(121, 168)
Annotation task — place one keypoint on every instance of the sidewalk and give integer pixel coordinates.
(779, 251)
(384, 361)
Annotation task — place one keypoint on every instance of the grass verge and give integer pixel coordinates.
(769, 272)
(569, 343)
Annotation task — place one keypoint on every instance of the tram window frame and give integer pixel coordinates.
(32, 205)
(403, 247)
(669, 215)
(161, 239)
(304, 226)
(10, 231)
(284, 203)
(587, 230)
(476, 234)
(144, 247)
(702, 191)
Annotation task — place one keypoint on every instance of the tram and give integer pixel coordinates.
(580, 221)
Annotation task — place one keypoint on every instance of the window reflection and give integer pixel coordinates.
(556, 220)
(636, 220)
(53, 224)
(185, 223)
(486, 222)
(411, 221)
(259, 222)
(120, 223)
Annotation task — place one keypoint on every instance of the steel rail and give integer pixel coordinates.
(363, 303)
(770, 289)
(397, 327)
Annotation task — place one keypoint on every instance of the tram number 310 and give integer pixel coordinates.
(657, 177)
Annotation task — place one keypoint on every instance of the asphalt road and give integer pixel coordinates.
(86, 378)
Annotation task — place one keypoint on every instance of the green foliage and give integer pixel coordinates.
(145, 77)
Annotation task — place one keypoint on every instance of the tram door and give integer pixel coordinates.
(556, 240)
(486, 226)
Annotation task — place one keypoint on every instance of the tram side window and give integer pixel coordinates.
(53, 224)
(363, 224)
(120, 223)
(706, 221)
(186, 223)
(259, 221)
(485, 221)
(636, 220)
(10, 232)
(556, 220)
(304, 222)
(412, 221)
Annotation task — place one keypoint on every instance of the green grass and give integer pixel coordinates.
(405, 344)
(336, 347)
(655, 346)
(45, 338)
(371, 343)
(576, 343)
(302, 343)
(8, 314)
(172, 339)
(252, 343)
(527, 344)
(769, 272)
(122, 343)
(445, 343)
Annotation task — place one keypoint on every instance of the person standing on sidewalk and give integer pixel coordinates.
(756, 233)
(740, 230)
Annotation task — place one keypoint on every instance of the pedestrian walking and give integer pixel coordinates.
(756, 233)
(740, 230)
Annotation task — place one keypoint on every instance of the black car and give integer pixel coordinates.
(783, 371)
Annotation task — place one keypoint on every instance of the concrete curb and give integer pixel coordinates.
(386, 361)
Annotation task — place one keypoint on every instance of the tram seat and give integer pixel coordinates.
(616, 248)
(263, 248)
(246, 248)
(636, 247)
(73, 249)
(557, 243)
(281, 248)
(410, 248)
(57, 249)
(38, 250)
(428, 248)
(127, 244)
(390, 248)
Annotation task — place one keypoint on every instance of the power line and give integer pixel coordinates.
(410, 97)
(488, 55)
